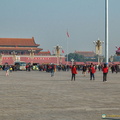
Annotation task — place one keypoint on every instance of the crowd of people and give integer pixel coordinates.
(92, 69)
(52, 68)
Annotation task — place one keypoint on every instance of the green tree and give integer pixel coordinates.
(75, 56)
(80, 58)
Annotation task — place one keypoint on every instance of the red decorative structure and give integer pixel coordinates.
(19, 45)
(25, 49)
(118, 51)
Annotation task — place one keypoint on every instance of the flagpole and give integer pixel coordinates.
(67, 51)
(106, 31)
(67, 45)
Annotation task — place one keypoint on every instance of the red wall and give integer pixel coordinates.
(39, 59)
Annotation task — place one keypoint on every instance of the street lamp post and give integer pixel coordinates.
(111, 58)
(32, 55)
(14, 55)
(72, 61)
(101, 59)
(57, 51)
(98, 48)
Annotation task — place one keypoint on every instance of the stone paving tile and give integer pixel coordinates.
(37, 96)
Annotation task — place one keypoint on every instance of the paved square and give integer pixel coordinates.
(38, 96)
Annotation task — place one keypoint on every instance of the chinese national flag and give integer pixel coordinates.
(62, 51)
(68, 34)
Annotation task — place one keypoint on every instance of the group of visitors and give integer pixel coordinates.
(91, 70)
(115, 68)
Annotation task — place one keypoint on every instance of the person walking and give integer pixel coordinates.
(92, 72)
(105, 72)
(74, 72)
(84, 69)
(6, 69)
(113, 68)
(52, 69)
(11, 69)
(116, 68)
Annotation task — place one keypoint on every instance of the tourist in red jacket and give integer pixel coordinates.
(74, 72)
(105, 71)
(92, 71)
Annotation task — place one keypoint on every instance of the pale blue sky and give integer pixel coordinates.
(48, 20)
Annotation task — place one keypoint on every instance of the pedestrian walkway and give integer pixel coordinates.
(38, 96)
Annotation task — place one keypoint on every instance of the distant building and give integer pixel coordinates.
(25, 49)
(20, 46)
(86, 54)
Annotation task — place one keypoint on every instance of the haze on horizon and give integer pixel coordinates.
(48, 21)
